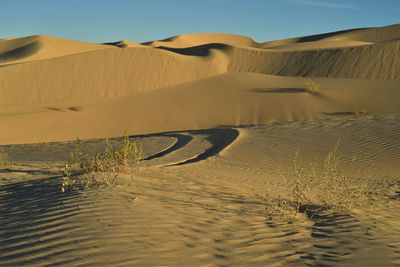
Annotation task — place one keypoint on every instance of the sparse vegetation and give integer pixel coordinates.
(311, 86)
(4, 161)
(270, 121)
(319, 188)
(360, 112)
(103, 167)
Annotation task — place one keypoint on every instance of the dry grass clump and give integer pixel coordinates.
(102, 168)
(312, 87)
(319, 188)
(4, 161)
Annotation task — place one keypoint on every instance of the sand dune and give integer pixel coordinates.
(358, 62)
(226, 99)
(38, 47)
(220, 118)
(370, 35)
(319, 45)
(232, 76)
(100, 74)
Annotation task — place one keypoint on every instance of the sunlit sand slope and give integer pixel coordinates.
(226, 99)
(100, 74)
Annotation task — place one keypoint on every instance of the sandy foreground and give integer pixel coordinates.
(220, 118)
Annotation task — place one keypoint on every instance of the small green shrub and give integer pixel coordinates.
(101, 169)
(322, 187)
(311, 86)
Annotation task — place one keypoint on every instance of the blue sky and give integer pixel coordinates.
(145, 20)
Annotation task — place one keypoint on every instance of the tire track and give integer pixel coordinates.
(219, 139)
(182, 140)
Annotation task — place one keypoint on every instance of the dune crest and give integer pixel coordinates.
(123, 44)
(196, 39)
(39, 47)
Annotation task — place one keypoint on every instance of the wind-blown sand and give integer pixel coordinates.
(218, 115)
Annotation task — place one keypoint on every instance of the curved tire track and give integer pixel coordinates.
(182, 140)
(219, 138)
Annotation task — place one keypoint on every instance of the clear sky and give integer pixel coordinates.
(145, 20)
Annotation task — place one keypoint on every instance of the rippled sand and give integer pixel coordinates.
(198, 199)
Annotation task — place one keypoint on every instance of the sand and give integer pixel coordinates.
(219, 117)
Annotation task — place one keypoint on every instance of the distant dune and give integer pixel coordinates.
(192, 81)
(38, 47)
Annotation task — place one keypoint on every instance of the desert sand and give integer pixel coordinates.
(220, 117)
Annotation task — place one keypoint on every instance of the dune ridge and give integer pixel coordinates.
(377, 61)
(100, 74)
(196, 39)
(39, 47)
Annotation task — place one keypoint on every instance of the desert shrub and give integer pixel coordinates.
(103, 167)
(321, 187)
(270, 121)
(312, 87)
(4, 161)
(360, 112)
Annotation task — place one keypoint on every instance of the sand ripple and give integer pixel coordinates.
(174, 222)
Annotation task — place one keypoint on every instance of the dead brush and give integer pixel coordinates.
(315, 188)
(103, 168)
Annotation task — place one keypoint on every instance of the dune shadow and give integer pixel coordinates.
(75, 108)
(31, 172)
(200, 50)
(219, 138)
(55, 109)
(20, 52)
(29, 211)
(318, 37)
(119, 44)
(169, 39)
(331, 238)
(345, 113)
(278, 90)
(332, 235)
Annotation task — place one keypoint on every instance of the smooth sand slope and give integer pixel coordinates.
(220, 117)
